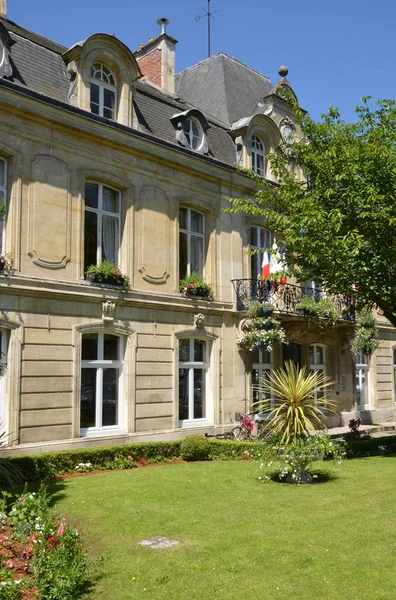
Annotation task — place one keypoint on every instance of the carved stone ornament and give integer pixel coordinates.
(287, 122)
(199, 320)
(6, 42)
(180, 135)
(72, 94)
(108, 312)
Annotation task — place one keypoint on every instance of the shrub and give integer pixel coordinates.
(297, 411)
(195, 447)
(107, 273)
(194, 285)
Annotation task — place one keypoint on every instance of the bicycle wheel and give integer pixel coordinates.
(237, 434)
(227, 435)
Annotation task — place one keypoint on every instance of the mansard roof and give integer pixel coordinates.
(223, 87)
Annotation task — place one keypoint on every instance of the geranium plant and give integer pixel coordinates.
(194, 285)
(5, 261)
(107, 273)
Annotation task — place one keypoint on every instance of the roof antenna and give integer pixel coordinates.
(207, 14)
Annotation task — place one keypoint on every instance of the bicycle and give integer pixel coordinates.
(244, 432)
(227, 435)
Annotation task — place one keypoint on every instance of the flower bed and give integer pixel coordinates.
(41, 556)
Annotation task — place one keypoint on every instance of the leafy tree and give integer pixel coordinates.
(339, 222)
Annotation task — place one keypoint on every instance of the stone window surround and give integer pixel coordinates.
(101, 213)
(108, 50)
(209, 213)
(126, 395)
(127, 198)
(212, 389)
(99, 364)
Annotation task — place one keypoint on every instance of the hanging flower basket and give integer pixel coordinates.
(106, 273)
(5, 261)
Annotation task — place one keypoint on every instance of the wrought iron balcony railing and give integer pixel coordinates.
(285, 298)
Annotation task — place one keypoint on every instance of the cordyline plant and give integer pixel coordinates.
(338, 223)
(297, 411)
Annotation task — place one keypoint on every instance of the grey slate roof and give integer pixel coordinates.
(223, 87)
(38, 66)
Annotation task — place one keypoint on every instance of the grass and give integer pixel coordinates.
(241, 538)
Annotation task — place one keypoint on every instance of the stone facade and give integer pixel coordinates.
(50, 150)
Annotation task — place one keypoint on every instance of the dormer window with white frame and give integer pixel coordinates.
(257, 149)
(194, 134)
(103, 91)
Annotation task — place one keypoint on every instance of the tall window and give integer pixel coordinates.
(394, 374)
(259, 238)
(193, 379)
(258, 156)
(317, 363)
(3, 358)
(362, 380)
(3, 200)
(103, 91)
(102, 224)
(261, 369)
(101, 367)
(191, 242)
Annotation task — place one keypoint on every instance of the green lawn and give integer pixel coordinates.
(240, 538)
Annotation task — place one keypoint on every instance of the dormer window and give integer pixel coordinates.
(258, 156)
(194, 134)
(191, 127)
(103, 91)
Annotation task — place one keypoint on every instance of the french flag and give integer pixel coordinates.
(265, 265)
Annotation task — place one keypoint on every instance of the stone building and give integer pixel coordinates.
(107, 154)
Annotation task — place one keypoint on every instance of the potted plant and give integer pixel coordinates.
(364, 342)
(367, 320)
(308, 307)
(265, 323)
(5, 261)
(107, 273)
(260, 309)
(194, 286)
(327, 309)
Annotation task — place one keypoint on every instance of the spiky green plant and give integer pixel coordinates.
(297, 411)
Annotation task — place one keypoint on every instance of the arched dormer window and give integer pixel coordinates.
(103, 91)
(194, 133)
(258, 155)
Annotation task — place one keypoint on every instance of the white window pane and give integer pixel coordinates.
(110, 397)
(199, 394)
(110, 200)
(88, 398)
(2, 173)
(91, 195)
(184, 350)
(183, 218)
(319, 355)
(197, 254)
(199, 351)
(253, 237)
(196, 222)
(183, 394)
(110, 239)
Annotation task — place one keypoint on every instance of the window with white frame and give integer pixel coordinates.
(3, 201)
(317, 363)
(362, 380)
(3, 364)
(103, 91)
(394, 374)
(193, 380)
(260, 238)
(102, 224)
(191, 242)
(257, 150)
(261, 369)
(194, 133)
(101, 371)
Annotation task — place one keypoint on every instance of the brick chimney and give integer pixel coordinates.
(156, 59)
(3, 9)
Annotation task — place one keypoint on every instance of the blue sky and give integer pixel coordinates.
(336, 51)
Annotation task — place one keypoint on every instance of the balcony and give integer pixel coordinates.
(285, 298)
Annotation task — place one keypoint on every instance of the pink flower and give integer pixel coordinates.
(61, 530)
(9, 564)
(21, 499)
